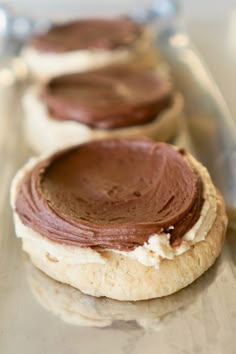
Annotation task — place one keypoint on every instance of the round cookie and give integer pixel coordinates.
(126, 260)
(86, 44)
(112, 102)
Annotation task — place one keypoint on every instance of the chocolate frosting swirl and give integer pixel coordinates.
(94, 33)
(112, 194)
(108, 98)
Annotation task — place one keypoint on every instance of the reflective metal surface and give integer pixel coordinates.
(212, 129)
(38, 315)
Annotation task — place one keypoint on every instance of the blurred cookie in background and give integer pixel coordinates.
(117, 101)
(87, 44)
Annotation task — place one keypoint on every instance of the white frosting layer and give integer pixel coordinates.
(150, 254)
(47, 134)
(45, 65)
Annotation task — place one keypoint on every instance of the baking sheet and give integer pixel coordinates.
(199, 319)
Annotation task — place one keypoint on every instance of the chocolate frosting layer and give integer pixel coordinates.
(88, 34)
(112, 194)
(108, 98)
